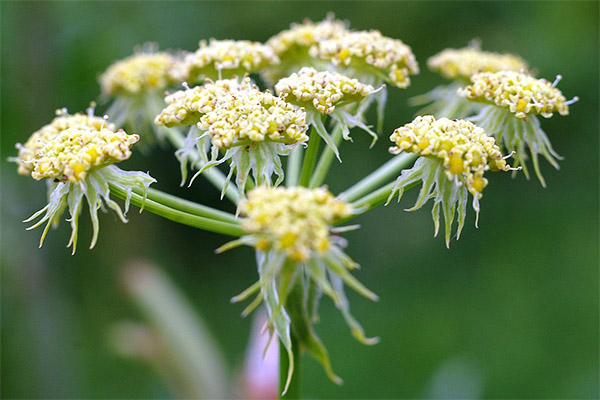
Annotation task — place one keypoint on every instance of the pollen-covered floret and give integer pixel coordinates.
(462, 63)
(321, 90)
(224, 58)
(185, 107)
(72, 145)
(520, 93)
(294, 220)
(138, 74)
(464, 148)
(391, 58)
(306, 34)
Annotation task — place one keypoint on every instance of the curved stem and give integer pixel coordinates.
(294, 390)
(213, 175)
(387, 171)
(325, 160)
(208, 224)
(309, 159)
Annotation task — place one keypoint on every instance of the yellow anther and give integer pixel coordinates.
(456, 164)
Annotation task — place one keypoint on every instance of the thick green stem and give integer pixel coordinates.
(293, 166)
(309, 159)
(325, 160)
(213, 175)
(391, 169)
(374, 199)
(294, 390)
(208, 224)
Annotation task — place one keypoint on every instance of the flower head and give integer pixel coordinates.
(291, 230)
(253, 128)
(513, 101)
(138, 74)
(295, 220)
(370, 56)
(135, 85)
(461, 64)
(292, 46)
(220, 59)
(319, 93)
(75, 154)
(520, 93)
(454, 156)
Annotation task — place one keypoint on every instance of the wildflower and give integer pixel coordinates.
(251, 127)
(458, 65)
(371, 58)
(223, 59)
(291, 230)
(75, 153)
(514, 100)
(454, 156)
(292, 47)
(136, 84)
(326, 93)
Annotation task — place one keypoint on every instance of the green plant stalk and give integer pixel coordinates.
(292, 172)
(375, 198)
(208, 224)
(309, 158)
(325, 160)
(391, 169)
(294, 390)
(213, 175)
(187, 206)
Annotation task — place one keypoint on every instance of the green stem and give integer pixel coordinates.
(309, 159)
(213, 175)
(208, 224)
(294, 390)
(325, 160)
(391, 169)
(374, 199)
(187, 206)
(293, 166)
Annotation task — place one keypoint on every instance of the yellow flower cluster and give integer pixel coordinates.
(370, 48)
(305, 35)
(235, 114)
(138, 74)
(237, 56)
(185, 107)
(520, 93)
(462, 63)
(72, 145)
(464, 148)
(294, 220)
(322, 90)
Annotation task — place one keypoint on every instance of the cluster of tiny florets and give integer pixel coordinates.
(185, 107)
(140, 73)
(224, 55)
(70, 146)
(462, 63)
(464, 148)
(321, 90)
(294, 220)
(391, 56)
(306, 34)
(520, 93)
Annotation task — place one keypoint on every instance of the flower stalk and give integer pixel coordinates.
(310, 159)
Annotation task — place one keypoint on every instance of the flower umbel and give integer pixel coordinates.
(136, 85)
(221, 59)
(75, 154)
(251, 127)
(454, 156)
(514, 101)
(458, 65)
(326, 93)
(291, 230)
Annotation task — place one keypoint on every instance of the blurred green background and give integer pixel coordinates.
(510, 311)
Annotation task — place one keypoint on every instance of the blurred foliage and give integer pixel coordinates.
(510, 311)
